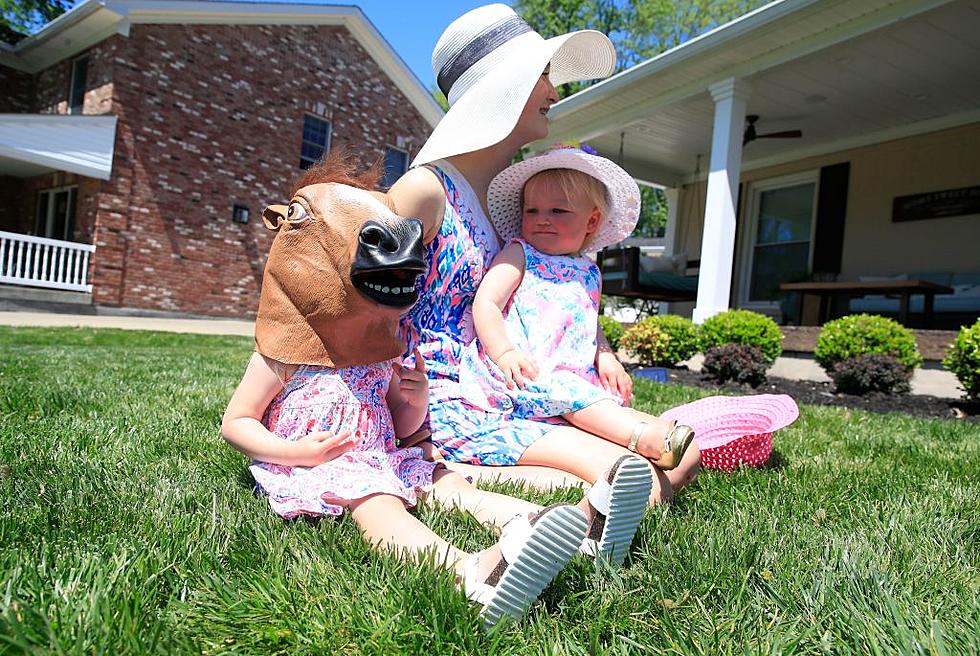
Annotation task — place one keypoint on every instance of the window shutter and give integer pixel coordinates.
(828, 240)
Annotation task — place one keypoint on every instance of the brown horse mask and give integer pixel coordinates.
(341, 271)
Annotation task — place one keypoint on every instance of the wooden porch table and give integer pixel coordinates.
(904, 288)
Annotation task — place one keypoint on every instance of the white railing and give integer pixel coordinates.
(41, 262)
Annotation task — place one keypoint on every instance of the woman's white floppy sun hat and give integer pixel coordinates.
(622, 194)
(487, 62)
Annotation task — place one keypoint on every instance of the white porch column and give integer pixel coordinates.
(673, 196)
(718, 236)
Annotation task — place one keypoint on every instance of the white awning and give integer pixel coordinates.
(33, 144)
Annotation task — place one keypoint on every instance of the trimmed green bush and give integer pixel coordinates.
(613, 330)
(739, 362)
(871, 373)
(865, 334)
(963, 359)
(661, 341)
(743, 327)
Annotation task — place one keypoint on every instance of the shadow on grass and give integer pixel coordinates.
(776, 461)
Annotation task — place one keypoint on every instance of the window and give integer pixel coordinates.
(55, 217)
(76, 92)
(781, 245)
(316, 140)
(396, 163)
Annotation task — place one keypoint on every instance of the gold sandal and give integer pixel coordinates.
(676, 441)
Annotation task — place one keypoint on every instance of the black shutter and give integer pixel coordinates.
(828, 241)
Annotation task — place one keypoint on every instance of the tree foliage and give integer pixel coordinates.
(640, 29)
(27, 16)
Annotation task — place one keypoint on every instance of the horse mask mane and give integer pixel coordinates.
(342, 269)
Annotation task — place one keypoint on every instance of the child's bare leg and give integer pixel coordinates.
(386, 524)
(613, 422)
(451, 490)
(588, 457)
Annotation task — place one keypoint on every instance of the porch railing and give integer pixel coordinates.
(41, 262)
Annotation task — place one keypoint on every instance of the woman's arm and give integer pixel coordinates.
(242, 426)
(494, 293)
(408, 397)
(419, 194)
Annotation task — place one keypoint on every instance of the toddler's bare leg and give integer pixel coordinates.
(386, 524)
(587, 456)
(613, 422)
(451, 490)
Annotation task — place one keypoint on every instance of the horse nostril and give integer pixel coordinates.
(372, 236)
(376, 236)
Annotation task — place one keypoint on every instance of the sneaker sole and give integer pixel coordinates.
(554, 541)
(628, 499)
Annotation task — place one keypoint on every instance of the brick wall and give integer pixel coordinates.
(210, 117)
(18, 91)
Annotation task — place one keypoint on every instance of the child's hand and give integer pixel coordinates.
(413, 383)
(516, 367)
(613, 376)
(318, 448)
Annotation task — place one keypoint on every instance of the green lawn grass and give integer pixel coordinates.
(128, 526)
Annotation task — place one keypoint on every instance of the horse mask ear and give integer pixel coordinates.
(274, 215)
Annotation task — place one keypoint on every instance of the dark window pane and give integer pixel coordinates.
(316, 140)
(41, 222)
(311, 151)
(76, 95)
(775, 264)
(396, 163)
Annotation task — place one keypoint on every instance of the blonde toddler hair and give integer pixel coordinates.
(573, 183)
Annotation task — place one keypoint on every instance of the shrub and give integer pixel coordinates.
(739, 362)
(613, 330)
(743, 327)
(871, 373)
(963, 359)
(865, 334)
(661, 341)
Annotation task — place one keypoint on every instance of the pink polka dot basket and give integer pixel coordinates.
(733, 431)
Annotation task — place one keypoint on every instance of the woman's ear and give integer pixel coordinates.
(273, 216)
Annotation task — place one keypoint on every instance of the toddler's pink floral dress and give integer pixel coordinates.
(552, 317)
(324, 399)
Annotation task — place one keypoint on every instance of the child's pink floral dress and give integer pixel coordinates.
(552, 317)
(324, 399)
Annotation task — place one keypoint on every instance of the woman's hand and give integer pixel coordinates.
(413, 384)
(613, 376)
(517, 366)
(317, 448)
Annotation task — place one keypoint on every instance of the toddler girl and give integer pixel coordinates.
(322, 401)
(536, 310)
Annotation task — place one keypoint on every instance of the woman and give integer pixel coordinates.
(499, 76)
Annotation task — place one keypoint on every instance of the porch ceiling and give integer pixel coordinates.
(32, 144)
(912, 72)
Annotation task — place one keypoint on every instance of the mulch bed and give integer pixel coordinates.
(817, 393)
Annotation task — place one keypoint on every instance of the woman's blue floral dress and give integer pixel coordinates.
(441, 326)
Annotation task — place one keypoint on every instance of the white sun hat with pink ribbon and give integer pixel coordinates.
(487, 62)
(505, 195)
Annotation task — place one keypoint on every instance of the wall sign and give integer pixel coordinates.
(936, 204)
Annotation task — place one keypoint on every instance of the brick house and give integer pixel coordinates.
(140, 140)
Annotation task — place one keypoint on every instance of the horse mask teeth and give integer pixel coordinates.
(341, 271)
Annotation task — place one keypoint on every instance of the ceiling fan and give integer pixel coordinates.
(750, 134)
